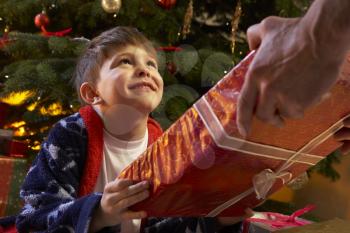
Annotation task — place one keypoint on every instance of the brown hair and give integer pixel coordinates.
(99, 48)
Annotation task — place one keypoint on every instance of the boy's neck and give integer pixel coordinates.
(124, 123)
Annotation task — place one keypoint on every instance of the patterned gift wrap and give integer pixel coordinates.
(201, 166)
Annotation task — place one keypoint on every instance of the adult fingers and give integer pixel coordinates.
(254, 36)
(266, 108)
(245, 105)
(128, 215)
(132, 200)
(290, 111)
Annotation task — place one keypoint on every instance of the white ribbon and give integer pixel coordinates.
(264, 181)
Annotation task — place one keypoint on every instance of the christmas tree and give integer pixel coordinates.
(198, 42)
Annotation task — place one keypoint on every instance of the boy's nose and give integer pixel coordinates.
(143, 72)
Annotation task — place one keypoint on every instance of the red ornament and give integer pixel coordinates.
(166, 4)
(41, 20)
(4, 40)
(171, 67)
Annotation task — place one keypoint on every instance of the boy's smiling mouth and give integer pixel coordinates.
(143, 85)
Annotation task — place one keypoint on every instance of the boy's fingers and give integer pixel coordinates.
(128, 215)
(118, 185)
(132, 200)
(128, 192)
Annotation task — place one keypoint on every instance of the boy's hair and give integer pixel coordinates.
(101, 47)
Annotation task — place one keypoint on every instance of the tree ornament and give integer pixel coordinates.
(187, 20)
(4, 40)
(171, 67)
(166, 4)
(234, 24)
(111, 6)
(41, 20)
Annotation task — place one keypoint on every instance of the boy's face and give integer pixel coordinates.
(130, 77)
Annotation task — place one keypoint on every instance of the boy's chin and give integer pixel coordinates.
(147, 108)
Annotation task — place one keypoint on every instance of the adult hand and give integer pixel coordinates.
(117, 197)
(288, 74)
(343, 135)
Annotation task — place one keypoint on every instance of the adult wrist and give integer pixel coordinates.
(325, 27)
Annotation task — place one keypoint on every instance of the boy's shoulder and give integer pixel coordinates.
(73, 121)
(73, 124)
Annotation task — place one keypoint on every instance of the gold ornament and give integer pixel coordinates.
(187, 20)
(234, 24)
(111, 6)
(7, 29)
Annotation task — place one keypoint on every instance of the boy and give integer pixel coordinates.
(71, 186)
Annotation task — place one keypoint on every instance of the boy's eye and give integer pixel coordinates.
(125, 61)
(152, 63)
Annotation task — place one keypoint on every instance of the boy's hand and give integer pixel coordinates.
(343, 135)
(117, 197)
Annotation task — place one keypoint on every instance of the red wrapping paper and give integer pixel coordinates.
(14, 148)
(193, 171)
(4, 109)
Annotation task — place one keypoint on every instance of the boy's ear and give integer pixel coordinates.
(88, 94)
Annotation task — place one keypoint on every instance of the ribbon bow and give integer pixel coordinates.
(263, 181)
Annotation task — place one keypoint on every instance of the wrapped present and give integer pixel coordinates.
(13, 172)
(4, 109)
(14, 148)
(330, 226)
(201, 165)
(6, 134)
(268, 222)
